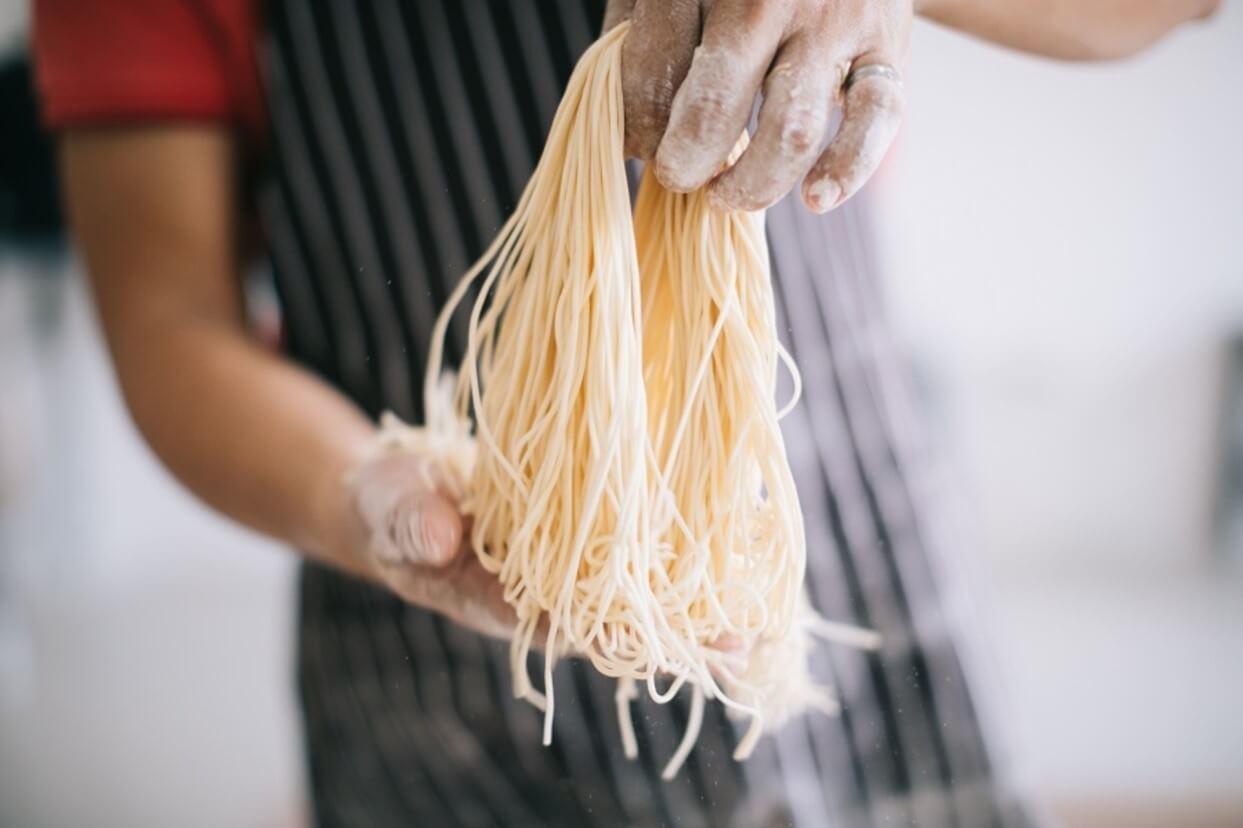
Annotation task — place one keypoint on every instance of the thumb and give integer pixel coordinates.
(426, 529)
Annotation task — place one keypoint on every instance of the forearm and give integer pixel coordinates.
(1067, 29)
(250, 434)
(154, 213)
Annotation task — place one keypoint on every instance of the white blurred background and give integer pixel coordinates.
(1065, 252)
(1066, 258)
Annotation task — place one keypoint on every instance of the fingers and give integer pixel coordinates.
(711, 108)
(419, 528)
(473, 597)
(428, 530)
(408, 518)
(461, 591)
(656, 56)
(870, 120)
(793, 121)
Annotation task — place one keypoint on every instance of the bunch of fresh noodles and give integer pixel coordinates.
(627, 481)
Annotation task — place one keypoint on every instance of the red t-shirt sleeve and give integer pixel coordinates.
(118, 61)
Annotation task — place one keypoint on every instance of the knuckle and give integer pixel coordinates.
(753, 13)
(725, 197)
(800, 134)
(708, 107)
(761, 13)
(876, 95)
(713, 89)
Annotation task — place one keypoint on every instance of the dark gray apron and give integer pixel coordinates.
(402, 134)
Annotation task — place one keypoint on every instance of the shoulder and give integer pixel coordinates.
(119, 61)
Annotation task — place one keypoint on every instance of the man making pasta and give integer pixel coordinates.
(379, 146)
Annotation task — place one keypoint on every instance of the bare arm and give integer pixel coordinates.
(154, 210)
(1068, 29)
(692, 69)
(154, 213)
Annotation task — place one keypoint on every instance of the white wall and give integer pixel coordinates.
(14, 21)
(145, 645)
(1066, 251)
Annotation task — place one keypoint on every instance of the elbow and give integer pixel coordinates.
(1207, 8)
(1118, 40)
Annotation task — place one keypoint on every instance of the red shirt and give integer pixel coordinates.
(121, 61)
(102, 62)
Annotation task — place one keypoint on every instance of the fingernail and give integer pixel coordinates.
(418, 539)
(437, 539)
(823, 195)
(423, 537)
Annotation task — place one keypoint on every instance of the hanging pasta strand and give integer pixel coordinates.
(627, 479)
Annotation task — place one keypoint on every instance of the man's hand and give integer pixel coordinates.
(691, 70)
(414, 538)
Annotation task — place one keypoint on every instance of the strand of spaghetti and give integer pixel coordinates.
(693, 725)
(626, 480)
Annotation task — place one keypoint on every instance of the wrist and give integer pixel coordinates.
(339, 535)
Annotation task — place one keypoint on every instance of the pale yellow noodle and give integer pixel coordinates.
(627, 481)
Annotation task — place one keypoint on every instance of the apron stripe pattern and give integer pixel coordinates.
(403, 132)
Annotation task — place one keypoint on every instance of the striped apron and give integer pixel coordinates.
(403, 132)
